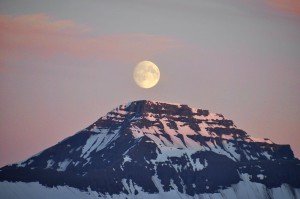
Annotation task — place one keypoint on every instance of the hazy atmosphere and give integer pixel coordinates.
(64, 65)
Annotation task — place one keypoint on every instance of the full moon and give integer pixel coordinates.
(146, 74)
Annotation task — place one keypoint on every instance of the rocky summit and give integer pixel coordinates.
(148, 149)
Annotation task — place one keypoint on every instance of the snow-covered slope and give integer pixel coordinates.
(242, 190)
(153, 149)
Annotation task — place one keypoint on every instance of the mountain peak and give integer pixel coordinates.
(169, 118)
(157, 107)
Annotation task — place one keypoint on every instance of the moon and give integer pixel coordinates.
(146, 74)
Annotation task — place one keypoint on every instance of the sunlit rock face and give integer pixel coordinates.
(160, 150)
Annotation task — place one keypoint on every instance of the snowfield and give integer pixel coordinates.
(242, 190)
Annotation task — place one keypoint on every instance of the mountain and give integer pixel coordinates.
(148, 149)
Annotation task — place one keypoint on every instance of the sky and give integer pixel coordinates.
(64, 64)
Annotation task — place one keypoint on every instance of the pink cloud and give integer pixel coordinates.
(292, 6)
(40, 37)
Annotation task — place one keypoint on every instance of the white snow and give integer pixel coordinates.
(62, 166)
(267, 155)
(151, 117)
(263, 140)
(177, 147)
(244, 190)
(98, 141)
(261, 176)
(285, 191)
(190, 143)
(127, 159)
(34, 190)
(203, 130)
(231, 149)
(227, 148)
(245, 177)
(184, 129)
(21, 164)
(157, 183)
(217, 149)
(50, 163)
(78, 148)
(210, 117)
(95, 129)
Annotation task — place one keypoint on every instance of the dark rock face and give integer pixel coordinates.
(159, 146)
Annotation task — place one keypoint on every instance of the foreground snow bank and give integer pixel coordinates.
(245, 190)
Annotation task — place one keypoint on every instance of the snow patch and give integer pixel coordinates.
(50, 163)
(127, 159)
(261, 176)
(62, 166)
(98, 141)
